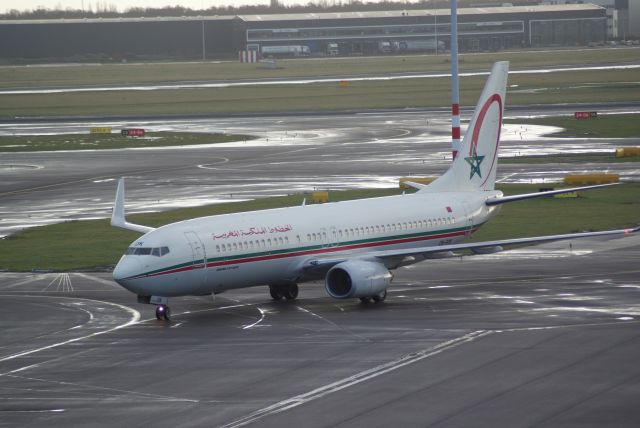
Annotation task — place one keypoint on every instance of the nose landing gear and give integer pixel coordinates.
(163, 312)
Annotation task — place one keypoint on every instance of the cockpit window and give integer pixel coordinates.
(146, 251)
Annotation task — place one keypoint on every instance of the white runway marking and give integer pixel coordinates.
(137, 395)
(135, 317)
(99, 280)
(355, 379)
(263, 313)
(25, 281)
(63, 283)
(332, 323)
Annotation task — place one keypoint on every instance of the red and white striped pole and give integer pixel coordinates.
(455, 96)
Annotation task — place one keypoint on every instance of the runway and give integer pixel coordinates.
(488, 340)
(293, 154)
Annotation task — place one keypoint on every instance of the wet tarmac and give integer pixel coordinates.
(293, 154)
(488, 340)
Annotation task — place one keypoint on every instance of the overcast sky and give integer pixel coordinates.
(122, 5)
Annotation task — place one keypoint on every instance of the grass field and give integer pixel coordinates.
(604, 126)
(565, 87)
(576, 87)
(34, 143)
(580, 158)
(89, 244)
(137, 73)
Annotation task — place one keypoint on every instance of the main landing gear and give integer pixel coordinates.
(286, 291)
(163, 312)
(377, 298)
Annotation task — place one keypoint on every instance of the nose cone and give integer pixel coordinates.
(126, 269)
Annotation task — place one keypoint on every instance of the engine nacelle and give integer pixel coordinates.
(357, 278)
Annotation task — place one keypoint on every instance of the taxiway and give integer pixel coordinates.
(488, 340)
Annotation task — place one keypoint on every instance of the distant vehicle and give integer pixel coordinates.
(384, 47)
(332, 49)
(352, 245)
(293, 50)
(419, 46)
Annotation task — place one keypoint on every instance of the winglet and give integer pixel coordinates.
(117, 214)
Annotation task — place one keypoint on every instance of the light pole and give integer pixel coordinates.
(435, 18)
(455, 97)
(204, 55)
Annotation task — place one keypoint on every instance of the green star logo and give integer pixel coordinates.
(475, 162)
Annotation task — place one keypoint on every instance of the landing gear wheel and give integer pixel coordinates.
(163, 312)
(276, 292)
(380, 297)
(365, 300)
(291, 291)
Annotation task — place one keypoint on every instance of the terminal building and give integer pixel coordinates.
(316, 34)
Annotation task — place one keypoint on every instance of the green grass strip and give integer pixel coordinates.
(604, 126)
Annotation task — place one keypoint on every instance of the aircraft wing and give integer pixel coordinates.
(397, 258)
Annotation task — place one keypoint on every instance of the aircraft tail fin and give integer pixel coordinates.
(474, 168)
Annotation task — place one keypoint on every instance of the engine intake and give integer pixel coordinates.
(357, 278)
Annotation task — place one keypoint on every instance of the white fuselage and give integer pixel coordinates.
(213, 254)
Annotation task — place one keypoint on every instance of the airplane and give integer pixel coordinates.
(352, 245)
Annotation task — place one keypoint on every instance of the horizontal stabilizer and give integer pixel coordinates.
(118, 217)
(417, 186)
(505, 199)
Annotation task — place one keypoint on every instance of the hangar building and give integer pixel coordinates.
(347, 33)
(479, 29)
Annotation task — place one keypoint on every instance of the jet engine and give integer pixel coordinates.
(357, 278)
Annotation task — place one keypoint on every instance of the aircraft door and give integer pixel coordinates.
(197, 250)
